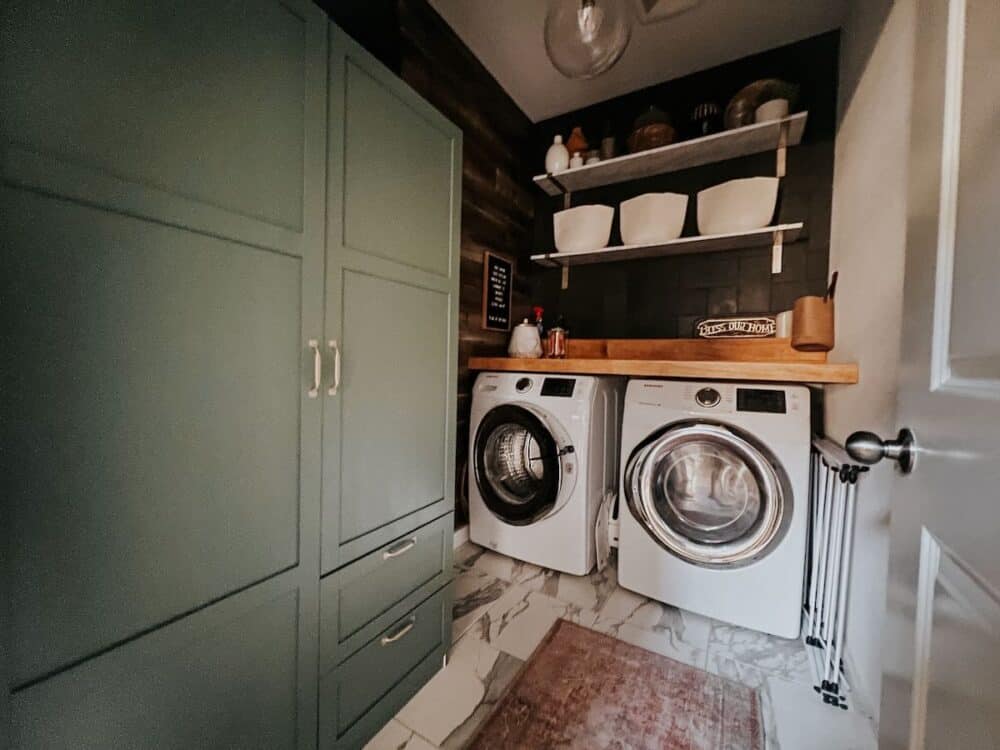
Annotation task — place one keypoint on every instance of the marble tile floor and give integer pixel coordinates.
(504, 607)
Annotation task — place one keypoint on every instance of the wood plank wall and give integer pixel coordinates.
(498, 201)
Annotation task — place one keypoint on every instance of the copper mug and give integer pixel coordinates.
(555, 346)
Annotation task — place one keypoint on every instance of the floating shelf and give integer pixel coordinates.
(712, 243)
(729, 144)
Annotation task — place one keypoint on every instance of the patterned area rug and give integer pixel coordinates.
(585, 690)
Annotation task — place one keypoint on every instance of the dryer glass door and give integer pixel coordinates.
(516, 465)
(708, 495)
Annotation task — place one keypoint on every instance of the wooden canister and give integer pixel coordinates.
(812, 324)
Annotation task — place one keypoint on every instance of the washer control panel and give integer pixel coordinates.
(523, 385)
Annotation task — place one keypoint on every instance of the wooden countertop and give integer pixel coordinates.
(766, 360)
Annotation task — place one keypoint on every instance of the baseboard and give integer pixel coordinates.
(461, 535)
(860, 698)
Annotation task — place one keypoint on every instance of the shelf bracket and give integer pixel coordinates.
(776, 251)
(566, 200)
(782, 150)
(565, 277)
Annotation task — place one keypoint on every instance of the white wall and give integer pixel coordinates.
(867, 246)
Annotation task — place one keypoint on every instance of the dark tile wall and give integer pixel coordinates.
(498, 199)
(662, 298)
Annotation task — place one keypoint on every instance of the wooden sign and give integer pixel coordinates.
(756, 327)
(498, 279)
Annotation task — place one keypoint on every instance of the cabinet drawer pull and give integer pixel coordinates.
(335, 348)
(407, 627)
(317, 368)
(399, 548)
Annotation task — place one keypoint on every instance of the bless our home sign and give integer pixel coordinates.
(757, 327)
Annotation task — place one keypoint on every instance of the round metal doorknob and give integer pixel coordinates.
(868, 448)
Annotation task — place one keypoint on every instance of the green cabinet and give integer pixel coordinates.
(196, 200)
(394, 197)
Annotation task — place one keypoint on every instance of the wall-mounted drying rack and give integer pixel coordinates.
(776, 135)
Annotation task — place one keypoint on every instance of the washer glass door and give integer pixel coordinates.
(516, 465)
(708, 495)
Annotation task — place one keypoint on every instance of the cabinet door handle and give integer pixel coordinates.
(336, 368)
(399, 548)
(407, 627)
(317, 368)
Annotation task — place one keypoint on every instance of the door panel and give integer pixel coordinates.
(158, 72)
(943, 609)
(163, 209)
(398, 177)
(391, 311)
(218, 689)
(176, 443)
(396, 365)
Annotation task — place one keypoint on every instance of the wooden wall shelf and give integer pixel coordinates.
(729, 144)
(711, 243)
(763, 360)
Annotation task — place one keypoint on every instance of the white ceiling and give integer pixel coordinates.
(506, 35)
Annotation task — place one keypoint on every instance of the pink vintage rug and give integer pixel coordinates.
(588, 691)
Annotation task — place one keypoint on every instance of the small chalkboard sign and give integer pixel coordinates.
(498, 278)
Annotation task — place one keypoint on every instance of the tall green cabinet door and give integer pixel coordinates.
(163, 210)
(394, 197)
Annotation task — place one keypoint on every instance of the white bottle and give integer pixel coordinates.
(557, 157)
(576, 161)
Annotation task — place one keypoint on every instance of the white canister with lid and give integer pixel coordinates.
(557, 157)
(525, 342)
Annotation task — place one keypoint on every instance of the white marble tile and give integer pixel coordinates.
(489, 563)
(795, 717)
(656, 627)
(781, 657)
(460, 696)
(395, 736)
(520, 618)
(475, 593)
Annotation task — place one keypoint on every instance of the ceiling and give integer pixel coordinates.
(506, 35)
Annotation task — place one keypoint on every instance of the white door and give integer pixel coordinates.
(941, 687)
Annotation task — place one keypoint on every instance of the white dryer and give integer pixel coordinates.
(543, 452)
(715, 482)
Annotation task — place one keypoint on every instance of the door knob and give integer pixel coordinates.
(868, 448)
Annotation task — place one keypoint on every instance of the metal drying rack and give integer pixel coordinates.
(834, 493)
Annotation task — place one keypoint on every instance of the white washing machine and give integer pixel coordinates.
(543, 452)
(715, 481)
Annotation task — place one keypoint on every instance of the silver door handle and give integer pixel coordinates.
(399, 548)
(868, 448)
(336, 368)
(387, 639)
(317, 368)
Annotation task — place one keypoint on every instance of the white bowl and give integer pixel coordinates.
(584, 228)
(775, 109)
(652, 218)
(737, 205)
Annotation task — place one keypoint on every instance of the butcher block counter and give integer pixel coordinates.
(764, 360)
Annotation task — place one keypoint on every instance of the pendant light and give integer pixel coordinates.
(584, 38)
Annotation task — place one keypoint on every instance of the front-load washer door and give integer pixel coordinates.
(709, 494)
(516, 463)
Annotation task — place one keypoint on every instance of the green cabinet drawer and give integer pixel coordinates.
(363, 693)
(368, 595)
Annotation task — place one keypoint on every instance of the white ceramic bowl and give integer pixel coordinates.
(584, 228)
(737, 205)
(652, 218)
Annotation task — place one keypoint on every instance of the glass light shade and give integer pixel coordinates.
(586, 37)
